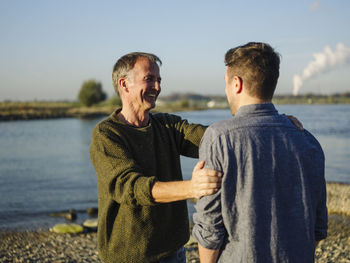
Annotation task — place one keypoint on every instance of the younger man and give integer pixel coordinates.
(272, 203)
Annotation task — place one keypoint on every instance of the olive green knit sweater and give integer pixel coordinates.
(128, 160)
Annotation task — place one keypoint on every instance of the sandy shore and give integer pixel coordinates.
(45, 246)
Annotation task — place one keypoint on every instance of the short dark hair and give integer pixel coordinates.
(257, 64)
(126, 63)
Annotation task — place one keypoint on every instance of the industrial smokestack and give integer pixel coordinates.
(323, 62)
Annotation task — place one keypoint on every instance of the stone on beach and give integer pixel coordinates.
(67, 229)
(91, 224)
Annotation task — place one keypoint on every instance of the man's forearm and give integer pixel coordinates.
(208, 255)
(165, 192)
(203, 182)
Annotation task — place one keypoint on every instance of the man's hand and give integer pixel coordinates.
(204, 181)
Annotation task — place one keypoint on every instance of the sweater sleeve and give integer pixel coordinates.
(188, 136)
(118, 175)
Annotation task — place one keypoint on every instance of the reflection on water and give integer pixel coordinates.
(45, 165)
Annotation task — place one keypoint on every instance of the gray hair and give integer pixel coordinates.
(126, 63)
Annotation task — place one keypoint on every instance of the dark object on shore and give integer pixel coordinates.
(92, 211)
(70, 215)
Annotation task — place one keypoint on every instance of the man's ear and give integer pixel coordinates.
(123, 84)
(237, 84)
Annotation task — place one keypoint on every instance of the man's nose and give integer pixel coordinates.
(157, 85)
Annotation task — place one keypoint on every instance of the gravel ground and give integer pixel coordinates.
(336, 247)
(45, 246)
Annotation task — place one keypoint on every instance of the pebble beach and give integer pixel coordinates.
(46, 246)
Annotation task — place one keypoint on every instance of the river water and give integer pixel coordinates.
(45, 166)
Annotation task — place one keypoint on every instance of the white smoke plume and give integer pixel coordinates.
(323, 62)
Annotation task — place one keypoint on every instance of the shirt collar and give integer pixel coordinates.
(256, 109)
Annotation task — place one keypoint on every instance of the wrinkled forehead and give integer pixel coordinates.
(145, 66)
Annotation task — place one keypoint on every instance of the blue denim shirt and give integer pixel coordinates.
(272, 204)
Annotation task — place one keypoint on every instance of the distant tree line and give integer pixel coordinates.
(308, 98)
(91, 93)
(311, 98)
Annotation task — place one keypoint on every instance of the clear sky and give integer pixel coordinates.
(49, 47)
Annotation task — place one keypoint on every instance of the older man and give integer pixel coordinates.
(272, 203)
(141, 195)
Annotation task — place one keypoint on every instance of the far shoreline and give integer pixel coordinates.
(16, 111)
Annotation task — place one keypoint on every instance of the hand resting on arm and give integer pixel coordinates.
(204, 182)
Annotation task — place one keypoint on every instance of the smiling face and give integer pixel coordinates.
(142, 86)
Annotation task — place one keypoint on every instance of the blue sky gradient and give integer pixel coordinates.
(48, 48)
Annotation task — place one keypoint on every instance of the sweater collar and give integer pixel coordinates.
(114, 116)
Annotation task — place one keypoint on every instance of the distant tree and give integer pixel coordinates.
(184, 103)
(346, 94)
(91, 93)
